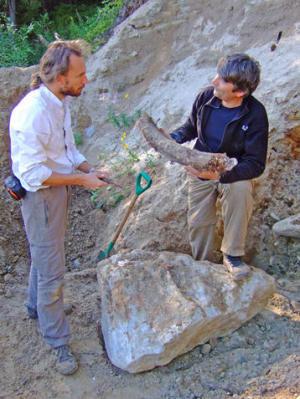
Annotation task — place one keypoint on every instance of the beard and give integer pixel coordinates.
(71, 92)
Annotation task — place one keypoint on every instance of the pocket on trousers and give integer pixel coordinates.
(46, 211)
(36, 216)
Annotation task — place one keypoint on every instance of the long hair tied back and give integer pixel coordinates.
(56, 60)
(36, 80)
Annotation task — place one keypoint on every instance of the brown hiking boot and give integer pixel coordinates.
(66, 363)
(236, 267)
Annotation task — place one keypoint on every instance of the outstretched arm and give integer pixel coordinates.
(87, 180)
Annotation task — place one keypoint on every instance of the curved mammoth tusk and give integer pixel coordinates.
(202, 161)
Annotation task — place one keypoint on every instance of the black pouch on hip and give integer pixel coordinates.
(14, 188)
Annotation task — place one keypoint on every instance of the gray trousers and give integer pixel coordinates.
(237, 205)
(45, 216)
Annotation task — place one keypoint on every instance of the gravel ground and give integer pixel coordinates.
(259, 360)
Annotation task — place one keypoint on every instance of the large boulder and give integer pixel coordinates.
(156, 306)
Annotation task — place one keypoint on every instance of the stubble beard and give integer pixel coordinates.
(70, 92)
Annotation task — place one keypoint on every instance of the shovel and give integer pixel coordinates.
(138, 191)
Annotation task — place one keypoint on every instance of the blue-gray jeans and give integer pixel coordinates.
(45, 216)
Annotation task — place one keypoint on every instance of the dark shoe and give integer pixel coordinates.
(66, 363)
(68, 308)
(32, 313)
(236, 267)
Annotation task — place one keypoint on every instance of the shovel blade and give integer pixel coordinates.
(101, 255)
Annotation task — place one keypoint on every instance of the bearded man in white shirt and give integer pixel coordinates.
(44, 158)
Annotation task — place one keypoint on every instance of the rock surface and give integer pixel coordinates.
(156, 306)
(289, 227)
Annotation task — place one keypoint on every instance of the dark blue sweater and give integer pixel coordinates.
(245, 137)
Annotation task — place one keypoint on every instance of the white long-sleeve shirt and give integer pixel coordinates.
(42, 139)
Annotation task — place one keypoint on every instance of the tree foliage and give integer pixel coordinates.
(23, 42)
(27, 10)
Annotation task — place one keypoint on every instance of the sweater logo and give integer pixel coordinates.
(244, 128)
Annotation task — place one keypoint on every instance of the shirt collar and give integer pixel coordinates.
(214, 102)
(55, 104)
(50, 96)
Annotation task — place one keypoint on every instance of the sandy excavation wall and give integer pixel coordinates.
(157, 60)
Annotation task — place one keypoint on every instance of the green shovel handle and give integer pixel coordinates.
(138, 188)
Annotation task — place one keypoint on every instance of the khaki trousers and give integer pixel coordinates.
(237, 204)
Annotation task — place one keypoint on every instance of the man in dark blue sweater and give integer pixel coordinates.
(226, 118)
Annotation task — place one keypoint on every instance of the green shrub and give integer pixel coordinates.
(14, 46)
(70, 19)
(103, 20)
(22, 46)
(28, 11)
(78, 138)
(120, 119)
(86, 22)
